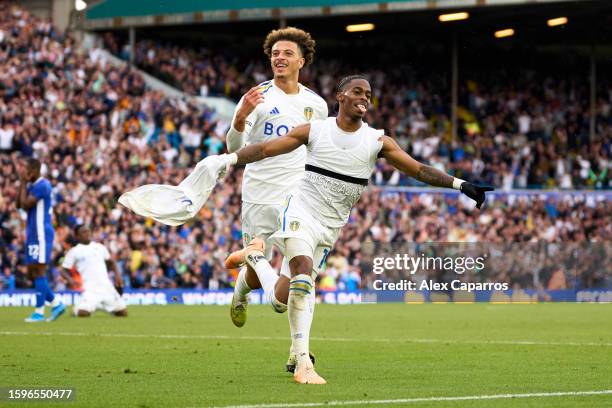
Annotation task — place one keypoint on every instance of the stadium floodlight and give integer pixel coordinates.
(507, 32)
(80, 5)
(453, 17)
(353, 28)
(557, 21)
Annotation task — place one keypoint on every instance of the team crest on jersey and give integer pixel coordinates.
(246, 237)
(308, 111)
(294, 225)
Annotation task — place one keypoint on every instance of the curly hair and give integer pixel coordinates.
(300, 37)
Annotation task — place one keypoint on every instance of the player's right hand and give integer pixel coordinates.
(250, 101)
(22, 172)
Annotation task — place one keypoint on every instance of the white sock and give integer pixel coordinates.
(301, 310)
(242, 288)
(313, 301)
(56, 301)
(40, 310)
(266, 274)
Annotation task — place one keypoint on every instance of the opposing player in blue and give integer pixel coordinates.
(34, 196)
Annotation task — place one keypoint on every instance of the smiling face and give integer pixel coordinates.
(355, 98)
(286, 59)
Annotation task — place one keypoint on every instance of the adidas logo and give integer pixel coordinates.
(274, 111)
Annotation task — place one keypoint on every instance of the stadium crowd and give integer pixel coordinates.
(517, 128)
(99, 132)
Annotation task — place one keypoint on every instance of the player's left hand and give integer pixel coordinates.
(119, 289)
(476, 193)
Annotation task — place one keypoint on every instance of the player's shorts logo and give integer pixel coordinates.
(294, 225)
(308, 111)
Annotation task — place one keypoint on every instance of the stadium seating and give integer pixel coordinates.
(534, 138)
(100, 132)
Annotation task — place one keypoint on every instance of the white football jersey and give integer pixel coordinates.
(336, 176)
(268, 181)
(90, 261)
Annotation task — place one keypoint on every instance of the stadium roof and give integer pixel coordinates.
(122, 13)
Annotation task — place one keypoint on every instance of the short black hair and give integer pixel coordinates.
(77, 228)
(342, 85)
(33, 163)
(347, 80)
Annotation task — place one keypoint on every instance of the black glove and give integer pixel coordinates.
(476, 193)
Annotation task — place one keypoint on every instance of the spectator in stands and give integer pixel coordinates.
(102, 132)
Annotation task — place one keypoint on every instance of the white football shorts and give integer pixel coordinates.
(295, 221)
(109, 301)
(261, 221)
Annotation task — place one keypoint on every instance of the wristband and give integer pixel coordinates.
(457, 183)
(234, 132)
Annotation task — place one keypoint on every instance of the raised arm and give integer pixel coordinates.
(297, 137)
(24, 200)
(428, 174)
(243, 120)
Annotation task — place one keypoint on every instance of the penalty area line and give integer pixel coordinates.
(322, 339)
(426, 399)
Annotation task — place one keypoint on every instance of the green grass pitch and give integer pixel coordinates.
(192, 356)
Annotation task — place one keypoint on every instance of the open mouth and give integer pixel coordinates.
(362, 107)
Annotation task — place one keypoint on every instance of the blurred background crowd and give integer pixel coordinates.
(99, 131)
(518, 127)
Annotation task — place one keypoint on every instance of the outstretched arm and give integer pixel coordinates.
(427, 174)
(406, 164)
(297, 137)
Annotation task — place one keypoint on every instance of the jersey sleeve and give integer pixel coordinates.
(41, 190)
(68, 260)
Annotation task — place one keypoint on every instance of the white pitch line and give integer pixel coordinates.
(425, 399)
(331, 339)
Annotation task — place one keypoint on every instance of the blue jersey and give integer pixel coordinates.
(39, 230)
